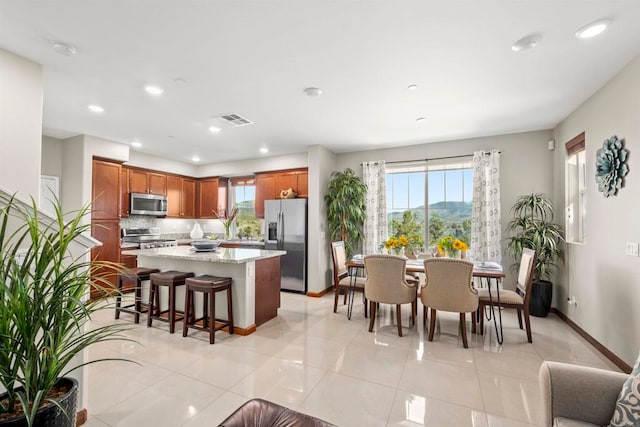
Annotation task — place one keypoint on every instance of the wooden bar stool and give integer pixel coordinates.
(171, 279)
(209, 286)
(137, 275)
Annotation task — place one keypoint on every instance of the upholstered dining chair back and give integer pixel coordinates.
(448, 285)
(341, 278)
(386, 281)
(339, 260)
(525, 274)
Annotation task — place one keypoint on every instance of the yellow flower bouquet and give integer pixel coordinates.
(396, 244)
(449, 245)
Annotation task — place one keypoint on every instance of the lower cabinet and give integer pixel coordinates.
(107, 232)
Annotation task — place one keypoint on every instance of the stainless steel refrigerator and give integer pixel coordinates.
(286, 229)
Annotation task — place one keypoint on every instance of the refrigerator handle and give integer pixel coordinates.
(281, 230)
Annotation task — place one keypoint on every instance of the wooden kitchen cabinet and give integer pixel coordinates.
(107, 232)
(223, 184)
(188, 200)
(125, 198)
(180, 197)
(157, 183)
(284, 181)
(207, 197)
(269, 186)
(145, 182)
(265, 190)
(105, 190)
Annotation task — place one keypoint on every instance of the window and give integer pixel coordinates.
(244, 196)
(437, 195)
(576, 178)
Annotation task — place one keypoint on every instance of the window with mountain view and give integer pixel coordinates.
(244, 195)
(441, 194)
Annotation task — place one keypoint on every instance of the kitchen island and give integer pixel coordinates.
(255, 274)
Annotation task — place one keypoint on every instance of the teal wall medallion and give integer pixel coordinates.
(611, 166)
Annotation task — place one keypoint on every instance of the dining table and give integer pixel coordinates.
(483, 271)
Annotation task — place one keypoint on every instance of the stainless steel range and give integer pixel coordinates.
(146, 238)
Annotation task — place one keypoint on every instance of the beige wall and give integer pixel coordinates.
(321, 163)
(242, 167)
(51, 151)
(20, 124)
(603, 280)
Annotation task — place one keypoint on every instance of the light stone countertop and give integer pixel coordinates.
(222, 255)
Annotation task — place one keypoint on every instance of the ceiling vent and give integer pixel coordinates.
(234, 120)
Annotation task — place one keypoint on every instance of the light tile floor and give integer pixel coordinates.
(317, 362)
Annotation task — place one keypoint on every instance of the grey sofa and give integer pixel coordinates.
(578, 396)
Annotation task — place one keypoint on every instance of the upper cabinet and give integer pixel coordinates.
(180, 197)
(207, 198)
(124, 193)
(265, 190)
(105, 190)
(141, 181)
(270, 184)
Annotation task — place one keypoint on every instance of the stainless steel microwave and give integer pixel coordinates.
(148, 204)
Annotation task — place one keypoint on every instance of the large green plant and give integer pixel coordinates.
(43, 312)
(346, 208)
(532, 227)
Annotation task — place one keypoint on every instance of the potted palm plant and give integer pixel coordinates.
(345, 201)
(532, 227)
(43, 313)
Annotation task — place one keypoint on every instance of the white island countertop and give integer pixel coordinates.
(220, 255)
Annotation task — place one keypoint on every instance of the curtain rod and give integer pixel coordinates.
(433, 158)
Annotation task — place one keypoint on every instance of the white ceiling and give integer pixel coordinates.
(254, 58)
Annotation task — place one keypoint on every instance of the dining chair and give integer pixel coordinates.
(518, 299)
(341, 277)
(386, 283)
(448, 287)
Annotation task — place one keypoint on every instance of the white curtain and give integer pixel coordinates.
(375, 225)
(485, 219)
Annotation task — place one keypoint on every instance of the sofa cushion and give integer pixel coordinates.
(262, 413)
(567, 422)
(627, 412)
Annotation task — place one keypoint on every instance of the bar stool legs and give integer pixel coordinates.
(171, 279)
(138, 275)
(208, 286)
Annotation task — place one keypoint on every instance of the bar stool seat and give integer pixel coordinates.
(209, 286)
(171, 279)
(137, 275)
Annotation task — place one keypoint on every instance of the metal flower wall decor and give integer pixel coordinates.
(611, 166)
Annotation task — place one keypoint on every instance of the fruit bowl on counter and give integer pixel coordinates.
(204, 245)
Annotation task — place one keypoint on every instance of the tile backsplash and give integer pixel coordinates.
(172, 227)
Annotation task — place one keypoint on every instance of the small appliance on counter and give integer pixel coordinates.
(146, 238)
(148, 204)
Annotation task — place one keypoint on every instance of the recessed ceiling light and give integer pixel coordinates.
(179, 81)
(592, 29)
(264, 150)
(195, 159)
(95, 108)
(421, 119)
(312, 91)
(412, 87)
(136, 144)
(214, 129)
(528, 42)
(63, 49)
(153, 90)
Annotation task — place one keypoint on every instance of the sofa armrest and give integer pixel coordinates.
(579, 392)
